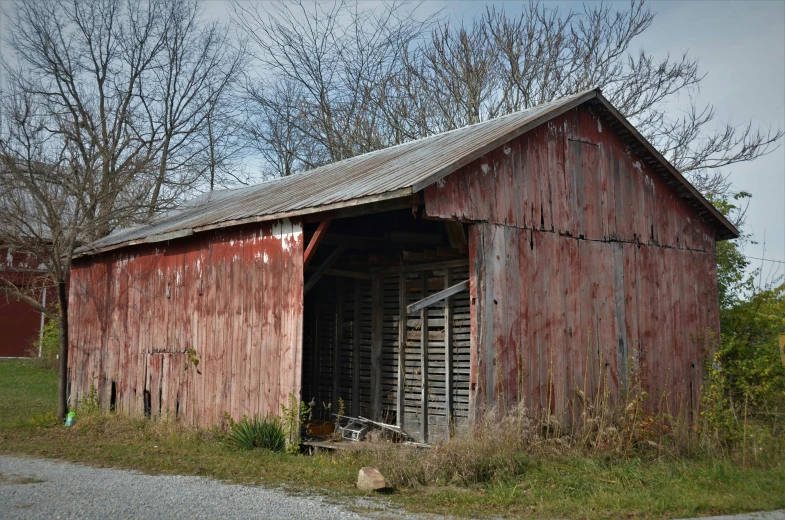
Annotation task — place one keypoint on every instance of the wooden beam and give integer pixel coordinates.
(315, 240)
(338, 334)
(400, 408)
(377, 331)
(448, 316)
(356, 330)
(439, 296)
(315, 277)
(424, 360)
(344, 274)
(413, 268)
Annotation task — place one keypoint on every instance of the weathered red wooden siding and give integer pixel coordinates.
(582, 258)
(234, 297)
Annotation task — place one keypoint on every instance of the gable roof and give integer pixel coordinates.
(394, 172)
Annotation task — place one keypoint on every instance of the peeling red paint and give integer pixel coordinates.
(583, 262)
(232, 300)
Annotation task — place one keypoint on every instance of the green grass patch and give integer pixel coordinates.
(595, 488)
(548, 485)
(27, 390)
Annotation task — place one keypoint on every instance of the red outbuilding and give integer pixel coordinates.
(20, 322)
(530, 258)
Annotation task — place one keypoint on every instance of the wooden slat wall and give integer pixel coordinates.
(569, 313)
(581, 257)
(324, 303)
(234, 297)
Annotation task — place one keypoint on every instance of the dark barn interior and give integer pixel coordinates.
(365, 273)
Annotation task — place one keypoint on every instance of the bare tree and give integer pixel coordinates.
(48, 196)
(322, 70)
(112, 110)
(339, 81)
(136, 82)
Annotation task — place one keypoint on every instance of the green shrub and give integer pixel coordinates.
(257, 433)
(48, 345)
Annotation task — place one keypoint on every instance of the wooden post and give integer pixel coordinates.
(400, 401)
(448, 351)
(356, 351)
(377, 330)
(337, 343)
(315, 390)
(424, 359)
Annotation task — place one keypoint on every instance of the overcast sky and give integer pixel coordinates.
(741, 48)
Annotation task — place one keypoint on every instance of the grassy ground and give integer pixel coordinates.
(573, 487)
(27, 391)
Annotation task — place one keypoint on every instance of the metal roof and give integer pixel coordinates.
(393, 172)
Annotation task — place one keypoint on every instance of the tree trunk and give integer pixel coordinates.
(62, 388)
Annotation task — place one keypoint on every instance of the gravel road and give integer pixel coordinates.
(34, 488)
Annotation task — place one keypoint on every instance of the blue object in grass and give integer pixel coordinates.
(70, 419)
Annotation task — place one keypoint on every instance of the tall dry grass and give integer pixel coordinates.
(503, 445)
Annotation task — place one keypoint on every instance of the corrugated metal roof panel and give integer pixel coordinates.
(396, 171)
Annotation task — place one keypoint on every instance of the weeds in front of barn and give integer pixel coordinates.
(610, 461)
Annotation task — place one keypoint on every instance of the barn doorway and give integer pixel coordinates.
(358, 285)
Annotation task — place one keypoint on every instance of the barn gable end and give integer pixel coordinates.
(586, 266)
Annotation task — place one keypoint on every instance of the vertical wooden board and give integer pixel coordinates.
(377, 343)
(221, 359)
(235, 346)
(257, 306)
(205, 396)
(277, 289)
(591, 175)
(477, 272)
(570, 265)
(356, 336)
(509, 309)
(538, 302)
(336, 343)
(285, 300)
(555, 326)
(531, 165)
(588, 332)
(424, 394)
(523, 360)
(249, 320)
(296, 272)
(544, 221)
(267, 337)
(646, 293)
(519, 198)
(621, 343)
(493, 340)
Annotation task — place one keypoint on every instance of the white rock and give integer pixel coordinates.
(370, 479)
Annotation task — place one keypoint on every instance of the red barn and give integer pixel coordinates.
(20, 323)
(518, 259)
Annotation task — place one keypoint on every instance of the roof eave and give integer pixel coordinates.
(187, 232)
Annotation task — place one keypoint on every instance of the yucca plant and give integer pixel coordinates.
(258, 433)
